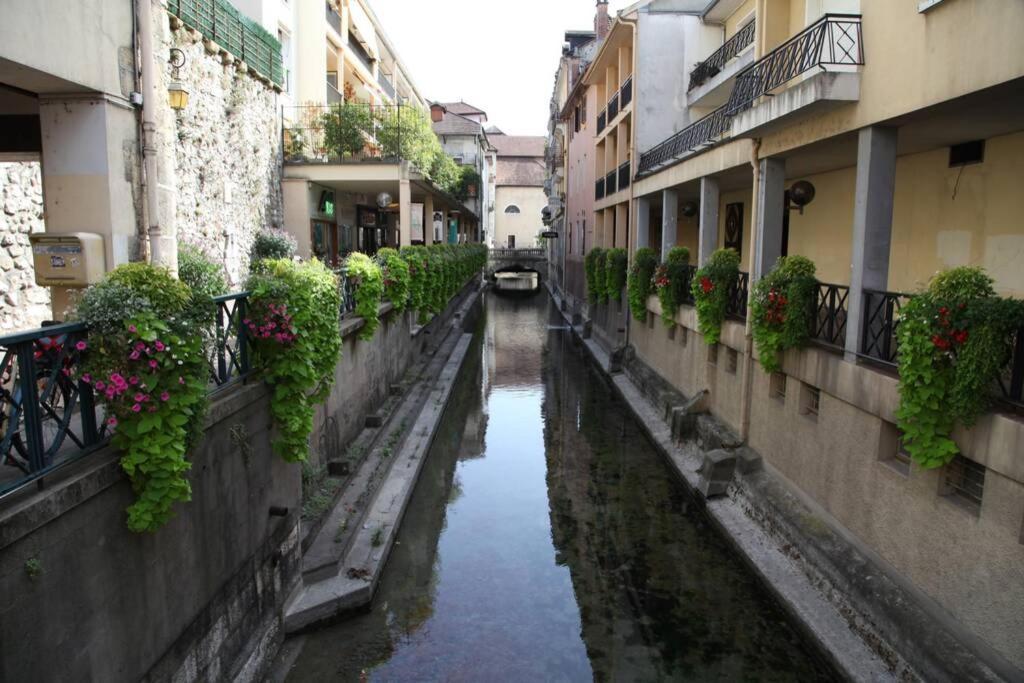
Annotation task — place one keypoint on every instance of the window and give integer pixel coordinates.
(810, 402)
(583, 239)
(891, 451)
(683, 335)
(713, 354)
(967, 153)
(650, 318)
(511, 241)
(777, 386)
(964, 483)
(583, 113)
(511, 208)
(576, 120)
(732, 361)
(672, 332)
(285, 39)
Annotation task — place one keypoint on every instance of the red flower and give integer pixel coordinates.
(706, 284)
(960, 336)
(940, 342)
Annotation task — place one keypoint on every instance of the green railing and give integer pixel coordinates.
(219, 21)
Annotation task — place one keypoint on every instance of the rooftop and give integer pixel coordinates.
(518, 145)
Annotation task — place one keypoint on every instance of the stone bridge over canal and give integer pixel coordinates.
(505, 260)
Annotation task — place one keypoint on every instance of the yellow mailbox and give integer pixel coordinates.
(74, 259)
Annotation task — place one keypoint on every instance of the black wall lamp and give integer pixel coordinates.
(689, 209)
(800, 194)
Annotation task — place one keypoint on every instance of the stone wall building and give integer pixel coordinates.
(519, 197)
(23, 303)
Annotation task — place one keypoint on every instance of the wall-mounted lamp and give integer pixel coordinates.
(800, 195)
(383, 200)
(689, 209)
(176, 92)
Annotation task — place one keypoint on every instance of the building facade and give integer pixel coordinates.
(519, 197)
(910, 153)
(460, 128)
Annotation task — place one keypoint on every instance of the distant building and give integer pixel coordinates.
(519, 195)
(460, 128)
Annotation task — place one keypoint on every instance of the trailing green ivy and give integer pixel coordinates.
(670, 283)
(781, 308)
(593, 265)
(293, 325)
(368, 280)
(396, 277)
(641, 281)
(146, 362)
(954, 340)
(710, 289)
(415, 258)
(616, 273)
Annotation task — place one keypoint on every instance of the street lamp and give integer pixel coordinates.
(176, 92)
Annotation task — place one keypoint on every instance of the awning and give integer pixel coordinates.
(362, 26)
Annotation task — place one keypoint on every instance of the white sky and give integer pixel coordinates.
(498, 55)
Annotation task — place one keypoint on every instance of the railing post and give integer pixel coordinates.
(243, 335)
(31, 420)
(222, 340)
(87, 414)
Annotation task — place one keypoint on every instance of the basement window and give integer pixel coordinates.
(732, 361)
(810, 402)
(777, 386)
(672, 332)
(964, 483)
(967, 153)
(650, 320)
(713, 354)
(891, 451)
(683, 336)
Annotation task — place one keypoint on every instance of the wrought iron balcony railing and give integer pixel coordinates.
(709, 68)
(833, 40)
(736, 306)
(624, 175)
(828, 324)
(881, 317)
(610, 183)
(702, 132)
(602, 120)
(613, 107)
(626, 93)
(348, 131)
(599, 189)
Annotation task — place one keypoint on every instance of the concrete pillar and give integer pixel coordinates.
(669, 220)
(770, 193)
(404, 212)
(643, 222)
(428, 219)
(310, 55)
(872, 225)
(86, 181)
(707, 239)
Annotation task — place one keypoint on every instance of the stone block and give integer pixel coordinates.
(748, 460)
(712, 435)
(716, 472)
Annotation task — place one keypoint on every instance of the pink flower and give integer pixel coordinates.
(100, 385)
(159, 345)
(133, 380)
(87, 378)
(140, 397)
(134, 355)
(132, 329)
(152, 364)
(181, 380)
(136, 408)
(152, 409)
(112, 421)
(110, 393)
(165, 396)
(117, 378)
(140, 347)
(81, 345)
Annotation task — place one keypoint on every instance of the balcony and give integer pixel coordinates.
(333, 19)
(712, 81)
(385, 84)
(713, 65)
(624, 175)
(362, 56)
(701, 133)
(610, 184)
(832, 46)
(613, 107)
(602, 121)
(626, 93)
(346, 132)
(333, 96)
(599, 189)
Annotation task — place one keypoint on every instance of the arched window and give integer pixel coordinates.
(511, 208)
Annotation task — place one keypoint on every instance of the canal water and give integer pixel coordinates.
(548, 541)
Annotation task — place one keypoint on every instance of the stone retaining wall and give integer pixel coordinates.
(23, 304)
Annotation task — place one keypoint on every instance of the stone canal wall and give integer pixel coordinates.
(201, 598)
(935, 583)
(23, 304)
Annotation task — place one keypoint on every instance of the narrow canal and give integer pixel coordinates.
(548, 541)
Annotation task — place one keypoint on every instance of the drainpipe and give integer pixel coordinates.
(632, 155)
(163, 248)
(748, 334)
(143, 227)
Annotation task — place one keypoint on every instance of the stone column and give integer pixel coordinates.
(872, 225)
(643, 222)
(770, 193)
(404, 212)
(428, 219)
(669, 221)
(707, 239)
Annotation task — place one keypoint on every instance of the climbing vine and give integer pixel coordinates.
(593, 266)
(670, 281)
(368, 280)
(954, 340)
(641, 281)
(710, 289)
(781, 308)
(616, 270)
(395, 271)
(415, 258)
(146, 363)
(293, 325)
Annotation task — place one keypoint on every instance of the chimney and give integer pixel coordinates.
(437, 112)
(601, 22)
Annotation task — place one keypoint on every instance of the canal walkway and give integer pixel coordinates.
(547, 539)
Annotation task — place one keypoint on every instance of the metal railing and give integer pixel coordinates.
(704, 131)
(626, 93)
(229, 360)
(602, 120)
(530, 253)
(220, 22)
(360, 52)
(833, 40)
(881, 317)
(736, 306)
(828, 323)
(333, 18)
(686, 286)
(333, 96)
(599, 189)
(386, 85)
(347, 131)
(624, 175)
(709, 68)
(1011, 383)
(613, 107)
(610, 183)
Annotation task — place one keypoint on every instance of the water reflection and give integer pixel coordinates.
(547, 541)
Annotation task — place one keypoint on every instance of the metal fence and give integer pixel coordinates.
(828, 323)
(599, 188)
(624, 177)
(736, 306)
(626, 93)
(709, 68)
(220, 22)
(349, 131)
(702, 132)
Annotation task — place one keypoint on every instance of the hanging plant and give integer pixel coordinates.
(670, 283)
(395, 271)
(954, 340)
(146, 363)
(710, 290)
(593, 265)
(616, 272)
(416, 259)
(781, 309)
(293, 327)
(641, 281)
(368, 281)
